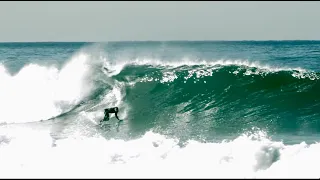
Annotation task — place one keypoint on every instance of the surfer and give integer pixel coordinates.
(114, 110)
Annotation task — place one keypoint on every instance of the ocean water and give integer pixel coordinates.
(246, 109)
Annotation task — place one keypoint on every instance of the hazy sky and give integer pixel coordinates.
(122, 21)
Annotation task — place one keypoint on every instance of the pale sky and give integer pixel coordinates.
(128, 21)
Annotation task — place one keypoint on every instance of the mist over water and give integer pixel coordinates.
(231, 109)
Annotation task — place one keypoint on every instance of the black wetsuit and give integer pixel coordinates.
(114, 110)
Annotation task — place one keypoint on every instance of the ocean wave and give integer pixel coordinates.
(227, 95)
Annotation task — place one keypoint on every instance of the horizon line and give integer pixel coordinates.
(156, 41)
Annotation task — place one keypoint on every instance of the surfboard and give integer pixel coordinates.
(93, 121)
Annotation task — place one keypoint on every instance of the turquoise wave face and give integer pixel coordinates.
(205, 101)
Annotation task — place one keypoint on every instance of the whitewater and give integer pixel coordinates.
(183, 117)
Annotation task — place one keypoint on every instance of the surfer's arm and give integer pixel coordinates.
(116, 115)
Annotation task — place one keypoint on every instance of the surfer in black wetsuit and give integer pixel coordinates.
(114, 110)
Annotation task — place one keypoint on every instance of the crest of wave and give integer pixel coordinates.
(38, 92)
(117, 66)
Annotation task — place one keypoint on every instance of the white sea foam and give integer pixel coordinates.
(26, 153)
(38, 92)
